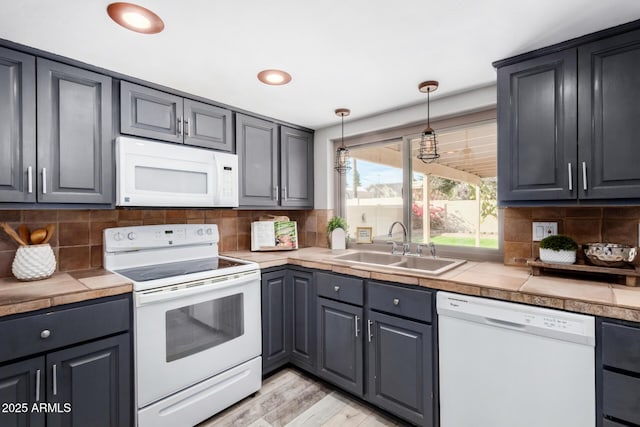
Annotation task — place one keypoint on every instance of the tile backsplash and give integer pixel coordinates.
(583, 224)
(77, 242)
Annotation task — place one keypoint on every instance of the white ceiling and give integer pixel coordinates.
(366, 55)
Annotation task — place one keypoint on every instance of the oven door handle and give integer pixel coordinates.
(194, 288)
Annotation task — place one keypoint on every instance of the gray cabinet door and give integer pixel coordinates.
(296, 163)
(150, 113)
(17, 126)
(207, 126)
(609, 91)
(400, 366)
(276, 320)
(537, 122)
(257, 147)
(95, 378)
(75, 142)
(340, 358)
(303, 302)
(19, 385)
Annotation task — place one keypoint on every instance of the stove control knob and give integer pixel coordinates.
(131, 236)
(200, 232)
(117, 237)
(209, 231)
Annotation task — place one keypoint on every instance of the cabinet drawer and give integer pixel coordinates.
(23, 336)
(411, 303)
(340, 288)
(621, 397)
(621, 347)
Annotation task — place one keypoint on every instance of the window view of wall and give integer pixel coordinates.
(452, 201)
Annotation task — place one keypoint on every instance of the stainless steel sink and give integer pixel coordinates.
(432, 266)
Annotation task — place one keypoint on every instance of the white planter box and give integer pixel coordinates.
(557, 257)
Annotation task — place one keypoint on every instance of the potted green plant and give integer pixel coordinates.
(337, 232)
(558, 249)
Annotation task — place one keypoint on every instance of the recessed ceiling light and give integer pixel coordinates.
(274, 77)
(135, 18)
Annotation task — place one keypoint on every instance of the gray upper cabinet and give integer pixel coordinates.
(207, 126)
(257, 146)
(75, 142)
(608, 107)
(17, 126)
(568, 122)
(151, 113)
(276, 164)
(296, 161)
(537, 128)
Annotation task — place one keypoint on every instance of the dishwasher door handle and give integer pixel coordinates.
(504, 323)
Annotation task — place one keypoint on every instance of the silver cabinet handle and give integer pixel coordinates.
(188, 123)
(45, 334)
(396, 301)
(44, 180)
(369, 323)
(179, 126)
(356, 325)
(584, 176)
(284, 193)
(38, 385)
(570, 170)
(30, 179)
(276, 190)
(336, 288)
(55, 380)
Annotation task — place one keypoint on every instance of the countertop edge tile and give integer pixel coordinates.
(24, 307)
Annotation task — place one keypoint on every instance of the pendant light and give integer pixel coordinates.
(428, 151)
(343, 162)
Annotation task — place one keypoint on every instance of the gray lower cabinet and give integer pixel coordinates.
(276, 320)
(77, 369)
(276, 164)
(400, 363)
(17, 126)
(94, 379)
(151, 113)
(617, 373)
(20, 389)
(340, 340)
(75, 142)
(303, 311)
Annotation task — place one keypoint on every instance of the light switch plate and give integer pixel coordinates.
(544, 229)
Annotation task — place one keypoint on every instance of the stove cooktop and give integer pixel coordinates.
(176, 269)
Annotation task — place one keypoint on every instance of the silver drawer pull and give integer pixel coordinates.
(570, 171)
(396, 301)
(30, 178)
(336, 288)
(45, 334)
(369, 323)
(44, 180)
(584, 176)
(356, 325)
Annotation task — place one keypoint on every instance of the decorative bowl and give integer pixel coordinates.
(557, 257)
(609, 254)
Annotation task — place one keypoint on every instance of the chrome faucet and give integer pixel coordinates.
(432, 249)
(405, 243)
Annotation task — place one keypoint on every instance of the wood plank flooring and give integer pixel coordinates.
(290, 398)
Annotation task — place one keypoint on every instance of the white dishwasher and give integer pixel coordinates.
(511, 365)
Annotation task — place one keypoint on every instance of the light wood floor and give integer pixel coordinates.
(289, 398)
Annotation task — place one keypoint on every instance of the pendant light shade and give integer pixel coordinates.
(343, 162)
(428, 150)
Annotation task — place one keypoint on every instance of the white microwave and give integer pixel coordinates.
(150, 173)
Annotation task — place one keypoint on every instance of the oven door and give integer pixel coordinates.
(187, 333)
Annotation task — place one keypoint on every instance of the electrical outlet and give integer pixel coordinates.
(544, 229)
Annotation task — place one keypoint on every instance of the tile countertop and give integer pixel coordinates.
(487, 279)
(61, 288)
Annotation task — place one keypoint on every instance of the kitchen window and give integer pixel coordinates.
(451, 202)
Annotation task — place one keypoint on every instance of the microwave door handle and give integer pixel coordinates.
(144, 298)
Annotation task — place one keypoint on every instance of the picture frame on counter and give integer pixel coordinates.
(364, 234)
